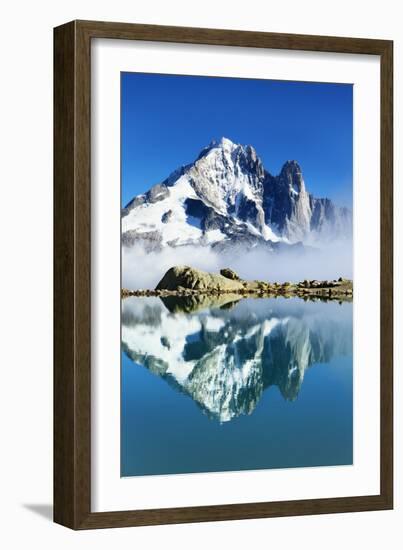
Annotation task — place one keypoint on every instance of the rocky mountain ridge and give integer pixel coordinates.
(226, 199)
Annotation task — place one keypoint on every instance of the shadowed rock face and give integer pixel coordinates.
(224, 359)
(287, 202)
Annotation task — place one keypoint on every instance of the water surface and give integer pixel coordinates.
(235, 384)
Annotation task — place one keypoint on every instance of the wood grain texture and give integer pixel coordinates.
(386, 358)
(72, 263)
(72, 274)
(220, 37)
(64, 381)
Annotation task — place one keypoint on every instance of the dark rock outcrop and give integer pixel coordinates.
(230, 274)
(167, 216)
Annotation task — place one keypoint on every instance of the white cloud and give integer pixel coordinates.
(144, 270)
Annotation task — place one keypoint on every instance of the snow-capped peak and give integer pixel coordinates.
(226, 196)
(221, 144)
(227, 144)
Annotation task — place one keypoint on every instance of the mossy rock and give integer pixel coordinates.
(186, 277)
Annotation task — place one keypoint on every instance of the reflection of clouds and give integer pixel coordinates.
(225, 358)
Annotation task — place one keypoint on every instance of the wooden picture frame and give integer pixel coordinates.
(72, 272)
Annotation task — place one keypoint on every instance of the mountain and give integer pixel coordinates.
(226, 199)
(225, 356)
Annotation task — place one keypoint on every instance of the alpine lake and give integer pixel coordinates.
(232, 382)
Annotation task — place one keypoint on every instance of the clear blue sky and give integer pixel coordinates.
(166, 120)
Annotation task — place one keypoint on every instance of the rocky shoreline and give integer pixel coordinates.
(185, 281)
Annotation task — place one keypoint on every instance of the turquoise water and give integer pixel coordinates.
(254, 384)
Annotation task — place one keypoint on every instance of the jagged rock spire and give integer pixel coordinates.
(226, 196)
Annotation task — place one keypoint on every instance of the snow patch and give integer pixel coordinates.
(214, 236)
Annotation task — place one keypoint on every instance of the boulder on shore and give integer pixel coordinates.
(230, 274)
(196, 279)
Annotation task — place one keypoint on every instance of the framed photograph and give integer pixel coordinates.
(222, 275)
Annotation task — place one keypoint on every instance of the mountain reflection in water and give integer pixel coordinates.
(225, 352)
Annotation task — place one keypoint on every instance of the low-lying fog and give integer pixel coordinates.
(142, 269)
